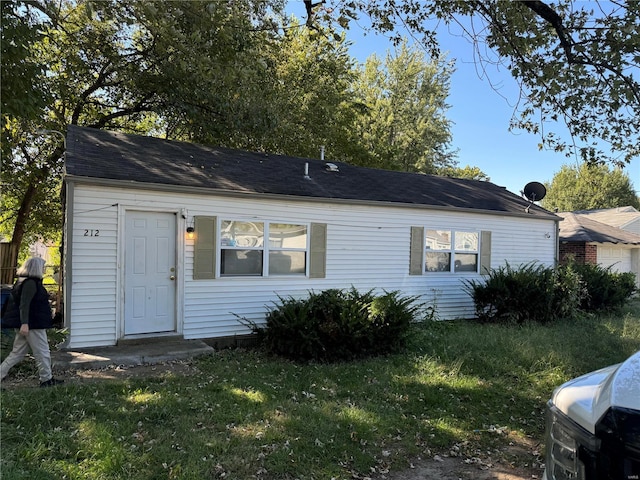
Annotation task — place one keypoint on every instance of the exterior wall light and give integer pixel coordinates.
(190, 232)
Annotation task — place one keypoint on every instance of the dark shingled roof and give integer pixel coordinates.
(575, 227)
(138, 160)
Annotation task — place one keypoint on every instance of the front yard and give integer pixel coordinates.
(460, 389)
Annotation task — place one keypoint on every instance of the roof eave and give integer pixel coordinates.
(611, 242)
(591, 241)
(107, 182)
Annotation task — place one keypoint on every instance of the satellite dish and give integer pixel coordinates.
(534, 191)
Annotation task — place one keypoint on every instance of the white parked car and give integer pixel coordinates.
(593, 425)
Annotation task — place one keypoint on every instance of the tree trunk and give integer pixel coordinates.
(9, 258)
(10, 262)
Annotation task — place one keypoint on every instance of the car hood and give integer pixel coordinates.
(587, 398)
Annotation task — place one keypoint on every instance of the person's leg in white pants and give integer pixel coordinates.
(39, 344)
(37, 341)
(20, 349)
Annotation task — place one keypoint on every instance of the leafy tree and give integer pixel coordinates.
(468, 172)
(309, 96)
(212, 72)
(20, 97)
(31, 189)
(133, 66)
(589, 187)
(576, 62)
(404, 125)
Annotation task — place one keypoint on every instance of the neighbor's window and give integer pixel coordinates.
(448, 250)
(243, 250)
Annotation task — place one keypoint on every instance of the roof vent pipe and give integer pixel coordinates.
(321, 152)
(306, 171)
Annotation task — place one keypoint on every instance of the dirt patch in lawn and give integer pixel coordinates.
(521, 460)
(459, 469)
(21, 379)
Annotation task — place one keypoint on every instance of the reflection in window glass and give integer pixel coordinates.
(437, 262)
(287, 263)
(448, 250)
(285, 235)
(287, 249)
(466, 262)
(243, 250)
(438, 240)
(466, 241)
(241, 234)
(241, 262)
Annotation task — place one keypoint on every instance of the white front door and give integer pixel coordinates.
(150, 273)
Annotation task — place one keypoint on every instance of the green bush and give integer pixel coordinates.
(337, 325)
(542, 294)
(531, 292)
(606, 290)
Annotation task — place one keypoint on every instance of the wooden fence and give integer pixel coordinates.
(7, 265)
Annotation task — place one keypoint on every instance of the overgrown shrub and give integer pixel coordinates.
(337, 325)
(606, 290)
(531, 292)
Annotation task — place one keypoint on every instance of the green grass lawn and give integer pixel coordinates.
(247, 415)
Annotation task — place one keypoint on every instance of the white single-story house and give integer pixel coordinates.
(167, 238)
(587, 240)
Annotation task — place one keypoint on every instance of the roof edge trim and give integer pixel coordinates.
(105, 182)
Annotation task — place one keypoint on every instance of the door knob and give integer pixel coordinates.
(172, 277)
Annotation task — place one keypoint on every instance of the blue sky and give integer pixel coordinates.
(480, 114)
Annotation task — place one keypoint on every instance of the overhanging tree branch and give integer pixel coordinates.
(567, 43)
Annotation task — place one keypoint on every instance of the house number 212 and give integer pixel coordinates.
(91, 233)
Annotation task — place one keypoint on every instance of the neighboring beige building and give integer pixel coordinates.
(625, 218)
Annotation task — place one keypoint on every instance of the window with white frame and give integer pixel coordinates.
(243, 250)
(287, 249)
(227, 248)
(241, 247)
(451, 251)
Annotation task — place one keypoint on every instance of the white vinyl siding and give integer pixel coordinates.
(92, 315)
(633, 226)
(367, 247)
